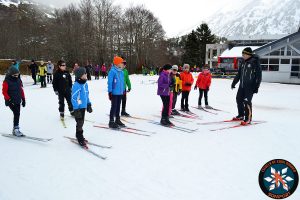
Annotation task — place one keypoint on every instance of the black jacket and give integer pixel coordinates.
(62, 81)
(249, 74)
(33, 68)
(12, 89)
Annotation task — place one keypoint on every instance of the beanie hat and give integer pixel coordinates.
(185, 66)
(175, 67)
(167, 67)
(79, 72)
(118, 60)
(13, 70)
(248, 51)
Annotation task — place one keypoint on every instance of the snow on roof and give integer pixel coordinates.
(256, 37)
(236, 51)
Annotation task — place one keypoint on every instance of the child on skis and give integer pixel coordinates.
(163, 91)
(42, 72)
(80, 102)
(103, 71)
(14, 97)
(116, 89)
(127, 85)
(187, 82)
(50, 69)
(97, 72)
(176, 89)
(203, 83)
(62, 86)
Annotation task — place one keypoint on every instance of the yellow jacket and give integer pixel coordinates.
(178, 83)
(42, 70)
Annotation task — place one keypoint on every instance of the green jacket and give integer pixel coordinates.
(126, 79)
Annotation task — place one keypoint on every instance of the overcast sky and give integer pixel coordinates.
(175, 16)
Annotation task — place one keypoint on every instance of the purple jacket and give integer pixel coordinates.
(163, 84)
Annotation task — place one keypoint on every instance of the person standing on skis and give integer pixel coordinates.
(12, 90)
(62, 86)
(249, 75)
(50, 69)
(163, 90)
(203, 83)
(81, 103)
(187, 82)
(176, 89)
(127, 84)
(116, 87)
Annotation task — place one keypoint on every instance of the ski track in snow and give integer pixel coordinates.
(168, 165)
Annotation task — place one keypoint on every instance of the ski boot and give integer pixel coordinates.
(208, 107)
(187, 110)
(119, 123)
(175, 112)
(169, 122)
(200, 107)
(245, 122)
(62, 115)
(16, 132)
(83, 144)
(238, 118)
(113, 125)
(164, 122)
(125, 114)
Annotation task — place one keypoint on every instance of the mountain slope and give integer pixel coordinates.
(255, 17)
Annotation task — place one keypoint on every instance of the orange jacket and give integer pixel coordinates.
(187, 81)
(204, 80)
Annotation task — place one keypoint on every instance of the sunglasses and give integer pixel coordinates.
(15, 75)
(63, 65)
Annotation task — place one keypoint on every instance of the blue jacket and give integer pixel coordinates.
(80, 95)
(116, 83)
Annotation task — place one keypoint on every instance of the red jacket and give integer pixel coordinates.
(204, 80)
(187, 80)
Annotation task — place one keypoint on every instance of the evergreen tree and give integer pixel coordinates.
(192, 53)
(204, 37)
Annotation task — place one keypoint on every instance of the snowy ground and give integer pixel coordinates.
(169, 165)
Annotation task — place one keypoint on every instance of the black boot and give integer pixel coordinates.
(164, 122)
(113, 125)
(125, 114)
(169, 122)
(118, 121)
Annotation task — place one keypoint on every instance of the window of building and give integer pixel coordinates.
(273, 67)
(274, 61)
(285, 61)
(264, 61)
(264, 67)
(295, 69)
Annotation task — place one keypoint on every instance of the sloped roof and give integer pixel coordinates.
(236, 51)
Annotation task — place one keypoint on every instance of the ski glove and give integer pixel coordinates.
(56, 92)
(128, 90)
(89, 108)
(9, 103)
(179, 92)
(110, 96)
(232, 86)
(77, 114)
(188, 84)
(255, 90)
(195, 88)
(207, 89)
(23, 102)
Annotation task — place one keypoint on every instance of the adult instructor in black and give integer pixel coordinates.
(249, 75)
